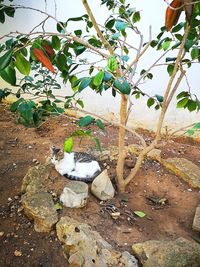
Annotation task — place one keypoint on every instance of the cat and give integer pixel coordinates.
(77, 166)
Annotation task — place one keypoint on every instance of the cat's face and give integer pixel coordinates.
(56, 154)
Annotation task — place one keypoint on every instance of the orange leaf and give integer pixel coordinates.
(39, 54)
(172, 16)
(48, 49)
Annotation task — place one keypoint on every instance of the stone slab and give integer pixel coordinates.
(40, 208)
(196, 221)
(185, 169)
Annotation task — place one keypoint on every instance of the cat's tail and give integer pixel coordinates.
(82, 179)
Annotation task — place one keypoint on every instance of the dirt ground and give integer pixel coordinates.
(21, 148)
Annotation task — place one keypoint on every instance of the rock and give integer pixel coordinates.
(40, 207)
(33, 180)
(75, 194)
(85, 247)
(185, 169)
(196, 221)
(178, 253)
(102, 187)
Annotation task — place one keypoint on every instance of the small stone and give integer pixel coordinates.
(102, 187)
(16, 197)
(30, 147)
(189, 190)
(115, 215)
(18, 253)
(9, 199)
(1, 234)
(75, 194)
(35, 161)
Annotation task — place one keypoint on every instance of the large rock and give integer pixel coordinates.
(184, 168)
(34, 178)
(196, 221)
(178, 253)
(40, 207)
(75, 194)
(86, 248)
(102, 187)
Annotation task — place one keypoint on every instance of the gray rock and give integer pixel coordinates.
(102, 187)
(86, 248)
(40, 207)
(75, 194)
(178, 253)
(196, 221)
(185, 169)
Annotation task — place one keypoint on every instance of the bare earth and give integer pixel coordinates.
(21, 147)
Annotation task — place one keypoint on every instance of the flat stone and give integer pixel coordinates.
(185, 169)
(40, 207)
(75, 194)
(85, 247)
(102, 187)
(34, 178)
(177, 253)
(196, 221)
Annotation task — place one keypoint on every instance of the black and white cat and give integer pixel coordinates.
(77, 166)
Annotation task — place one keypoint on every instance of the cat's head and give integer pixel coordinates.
(55, 154)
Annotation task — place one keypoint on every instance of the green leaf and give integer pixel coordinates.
(140, 214)
(116, 36)
(68, 145)
(107, 76)
(170, 69)
(182, 94)
(191, 105)
(5, 59)
(166, 45)
(109, 24)
(190, 132)
(22, 64)
(56, 42)
(197, 126)
(159, 98)
(58, 206)
(10, 11)
(98, 78)
(2, 16)
(122, 86)
(85, 121)
(14, 106)
(136, 17)
(80, 102)
(84, 83)
(178, 27)
(121, 25)
(61, 62)
(100, 124)
(9, 75)
(182, 103)
(112, 64)
(98, 144)
(150, 102)
(195, 53)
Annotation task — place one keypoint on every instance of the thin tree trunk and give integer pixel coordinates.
(121, 146)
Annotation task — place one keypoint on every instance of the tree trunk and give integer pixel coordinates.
(121, 146)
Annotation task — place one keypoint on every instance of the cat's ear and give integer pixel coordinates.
(55, 150)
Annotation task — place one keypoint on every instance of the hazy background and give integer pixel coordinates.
(152, 13)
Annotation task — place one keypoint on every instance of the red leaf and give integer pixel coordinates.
(39, 54)
(48, 49)
(172, 16)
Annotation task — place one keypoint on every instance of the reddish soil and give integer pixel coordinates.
(20, 147)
